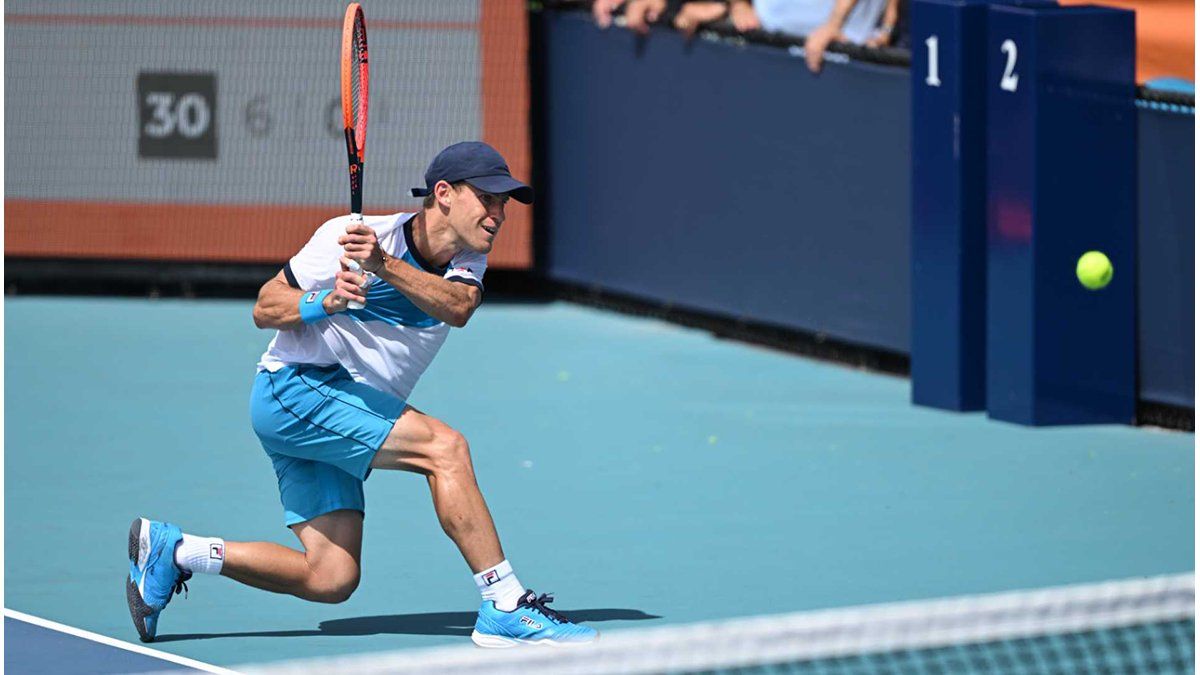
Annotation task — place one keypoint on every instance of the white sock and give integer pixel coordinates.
(501, 586)
(200, 555)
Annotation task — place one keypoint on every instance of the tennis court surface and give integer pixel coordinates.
(652, 476)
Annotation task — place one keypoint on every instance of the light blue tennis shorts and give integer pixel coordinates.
(321, 430)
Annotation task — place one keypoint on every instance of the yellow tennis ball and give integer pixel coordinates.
(1094, 270)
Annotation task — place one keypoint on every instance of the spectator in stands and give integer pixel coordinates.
(639, 14)
(820, 22)
(693, 15)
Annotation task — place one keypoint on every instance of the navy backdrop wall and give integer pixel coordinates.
(728, 179)
(725, 178)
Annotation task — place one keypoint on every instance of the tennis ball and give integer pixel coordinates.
(1094, 270)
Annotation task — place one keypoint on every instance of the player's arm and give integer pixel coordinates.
(816, 42)
(278, 304)
(445, 300)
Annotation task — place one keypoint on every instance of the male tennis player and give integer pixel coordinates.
(328, 405)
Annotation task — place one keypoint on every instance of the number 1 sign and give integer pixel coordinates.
(948, 203)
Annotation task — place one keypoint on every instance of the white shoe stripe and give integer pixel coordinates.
(502, 642)
(143, 544)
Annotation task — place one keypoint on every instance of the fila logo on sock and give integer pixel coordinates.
(491, 577)
(531, 623)
(216, 551)
(308, 299)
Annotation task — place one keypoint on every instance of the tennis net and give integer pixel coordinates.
(1133, 626)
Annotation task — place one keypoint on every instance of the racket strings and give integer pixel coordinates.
(357, 84)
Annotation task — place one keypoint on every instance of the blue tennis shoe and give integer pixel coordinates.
(531, 622)
(153, 575)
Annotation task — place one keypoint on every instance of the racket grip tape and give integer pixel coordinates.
(357, 219)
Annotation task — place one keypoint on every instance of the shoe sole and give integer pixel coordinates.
(500, 642)
(139, 548)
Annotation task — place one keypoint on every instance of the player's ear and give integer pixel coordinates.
(443, 192)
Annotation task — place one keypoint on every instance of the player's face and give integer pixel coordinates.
(477, 217)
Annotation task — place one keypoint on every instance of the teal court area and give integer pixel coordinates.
(647, 474)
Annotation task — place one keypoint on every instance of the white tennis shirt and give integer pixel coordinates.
(389, 343)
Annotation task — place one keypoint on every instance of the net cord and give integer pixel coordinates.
(807, 635)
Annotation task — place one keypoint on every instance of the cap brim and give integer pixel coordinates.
(504, 185)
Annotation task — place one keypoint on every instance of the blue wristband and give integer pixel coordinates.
(312, 308)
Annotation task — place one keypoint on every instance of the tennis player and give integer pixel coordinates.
(329, 406)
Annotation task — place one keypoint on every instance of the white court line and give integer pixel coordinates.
(113, 642)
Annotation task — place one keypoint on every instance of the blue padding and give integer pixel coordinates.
(728, 179)
(1172, 84)
(949, 204)
(1166, 250)
(1062, 170)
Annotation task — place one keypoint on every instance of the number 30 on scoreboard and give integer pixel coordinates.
(177, 115)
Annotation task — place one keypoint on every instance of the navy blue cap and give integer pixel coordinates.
(478, 164)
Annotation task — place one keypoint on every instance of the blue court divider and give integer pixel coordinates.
(1062, 181)
(948, 202)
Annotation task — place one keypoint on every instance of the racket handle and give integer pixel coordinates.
(357, 219)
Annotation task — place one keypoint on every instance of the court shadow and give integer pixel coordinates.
(428, 623)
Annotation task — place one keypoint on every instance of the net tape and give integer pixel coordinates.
(1162, 606)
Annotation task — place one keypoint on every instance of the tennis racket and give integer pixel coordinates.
(354, 111)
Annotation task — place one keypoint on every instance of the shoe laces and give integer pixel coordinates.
(538, 602)
(181, 584)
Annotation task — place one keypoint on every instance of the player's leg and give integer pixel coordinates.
(162, 559)
(509, 615)
(327, 570)
(422, 444)
(320, 430)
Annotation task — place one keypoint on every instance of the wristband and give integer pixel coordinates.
(312, 306)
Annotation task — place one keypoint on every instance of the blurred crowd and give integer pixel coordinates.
(869, 23)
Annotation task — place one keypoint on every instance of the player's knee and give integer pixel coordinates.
(453, 453)
(337, 585)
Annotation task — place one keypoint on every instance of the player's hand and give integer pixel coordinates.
(816, 42)
(743, 16)
(641, 13)
(347, 287)
(881, 38)
(693, 14)
(602, 11)
(361, 246)
(887, 26)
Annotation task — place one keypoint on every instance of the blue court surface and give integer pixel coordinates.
(646, 473)
(34, 649)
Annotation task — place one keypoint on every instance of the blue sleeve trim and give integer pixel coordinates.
(311, 309)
